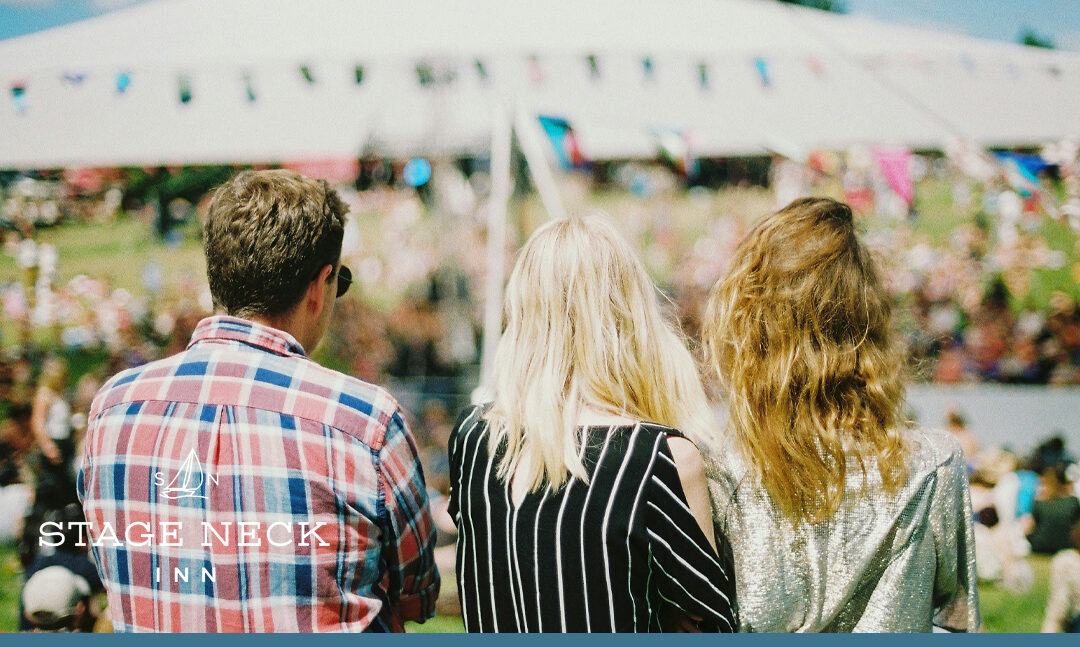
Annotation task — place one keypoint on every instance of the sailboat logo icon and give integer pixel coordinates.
(188, 481)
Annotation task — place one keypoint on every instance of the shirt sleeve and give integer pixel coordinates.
(956, 593)
(409, 539)
(690, 575)
(85, 465)
(465, 423)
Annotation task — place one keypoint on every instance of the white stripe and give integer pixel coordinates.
(491, 566)
(523, 623)
(536, 558)
(689, 566)
(630, 528)
(685, 507)
(607, 518)
(459, 438)
(511, 547)
(691, 596)
(648, 598)
(558, 541)
(581, 525)
(464, 540)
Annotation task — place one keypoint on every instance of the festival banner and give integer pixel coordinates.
(894, 164)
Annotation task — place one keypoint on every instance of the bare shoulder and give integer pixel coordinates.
(691, 468)
(687, 459)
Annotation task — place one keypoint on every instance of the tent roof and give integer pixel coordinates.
(833, 80)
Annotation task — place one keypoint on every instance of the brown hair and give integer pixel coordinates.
(267, 235)
(799, 332)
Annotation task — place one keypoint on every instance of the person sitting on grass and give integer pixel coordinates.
(1063, 603)
(1054, 512)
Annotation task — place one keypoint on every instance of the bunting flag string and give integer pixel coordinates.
(430, 74)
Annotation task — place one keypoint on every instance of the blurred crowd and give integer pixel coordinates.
(974, 304)
(1026, 505)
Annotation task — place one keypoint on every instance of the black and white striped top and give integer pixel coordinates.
(610, 555)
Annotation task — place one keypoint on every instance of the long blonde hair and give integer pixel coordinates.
(799, 332)
(584, 328)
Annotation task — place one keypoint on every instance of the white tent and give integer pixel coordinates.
(733, 76)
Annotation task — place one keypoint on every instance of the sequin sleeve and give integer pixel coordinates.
(956, 595)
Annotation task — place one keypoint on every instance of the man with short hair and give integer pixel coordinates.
(240, 486)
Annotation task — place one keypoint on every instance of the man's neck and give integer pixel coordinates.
(287, 322)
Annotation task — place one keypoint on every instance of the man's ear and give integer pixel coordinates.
(316, 292)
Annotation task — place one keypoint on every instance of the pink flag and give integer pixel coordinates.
(893, 163)
(333, 170)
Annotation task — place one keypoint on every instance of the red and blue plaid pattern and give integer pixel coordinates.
(239, 486)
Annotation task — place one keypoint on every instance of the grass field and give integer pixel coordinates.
(1002, 611)
(116, 251)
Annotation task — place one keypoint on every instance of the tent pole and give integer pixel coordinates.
(496, 246)
(528, 133)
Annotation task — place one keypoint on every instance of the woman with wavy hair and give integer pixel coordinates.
(579, 492)
(841, 516)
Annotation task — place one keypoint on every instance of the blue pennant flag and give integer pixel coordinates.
(763, 71)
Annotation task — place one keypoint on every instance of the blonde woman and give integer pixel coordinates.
(841, 518)
(579, 493)
(50, 417)
(50, 420)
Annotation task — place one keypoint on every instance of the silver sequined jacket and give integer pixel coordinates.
(900, 563)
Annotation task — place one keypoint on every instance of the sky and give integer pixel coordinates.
(1058, 20)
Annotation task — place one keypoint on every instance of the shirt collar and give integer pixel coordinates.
(225, 328)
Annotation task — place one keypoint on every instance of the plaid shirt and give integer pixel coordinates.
(239, 486)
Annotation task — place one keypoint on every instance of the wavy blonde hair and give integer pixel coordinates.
(799, 332)
(584, 328)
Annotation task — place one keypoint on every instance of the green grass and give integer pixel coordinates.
(116, 251)
(10, 586)
(437, 625)
(1004, 611)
